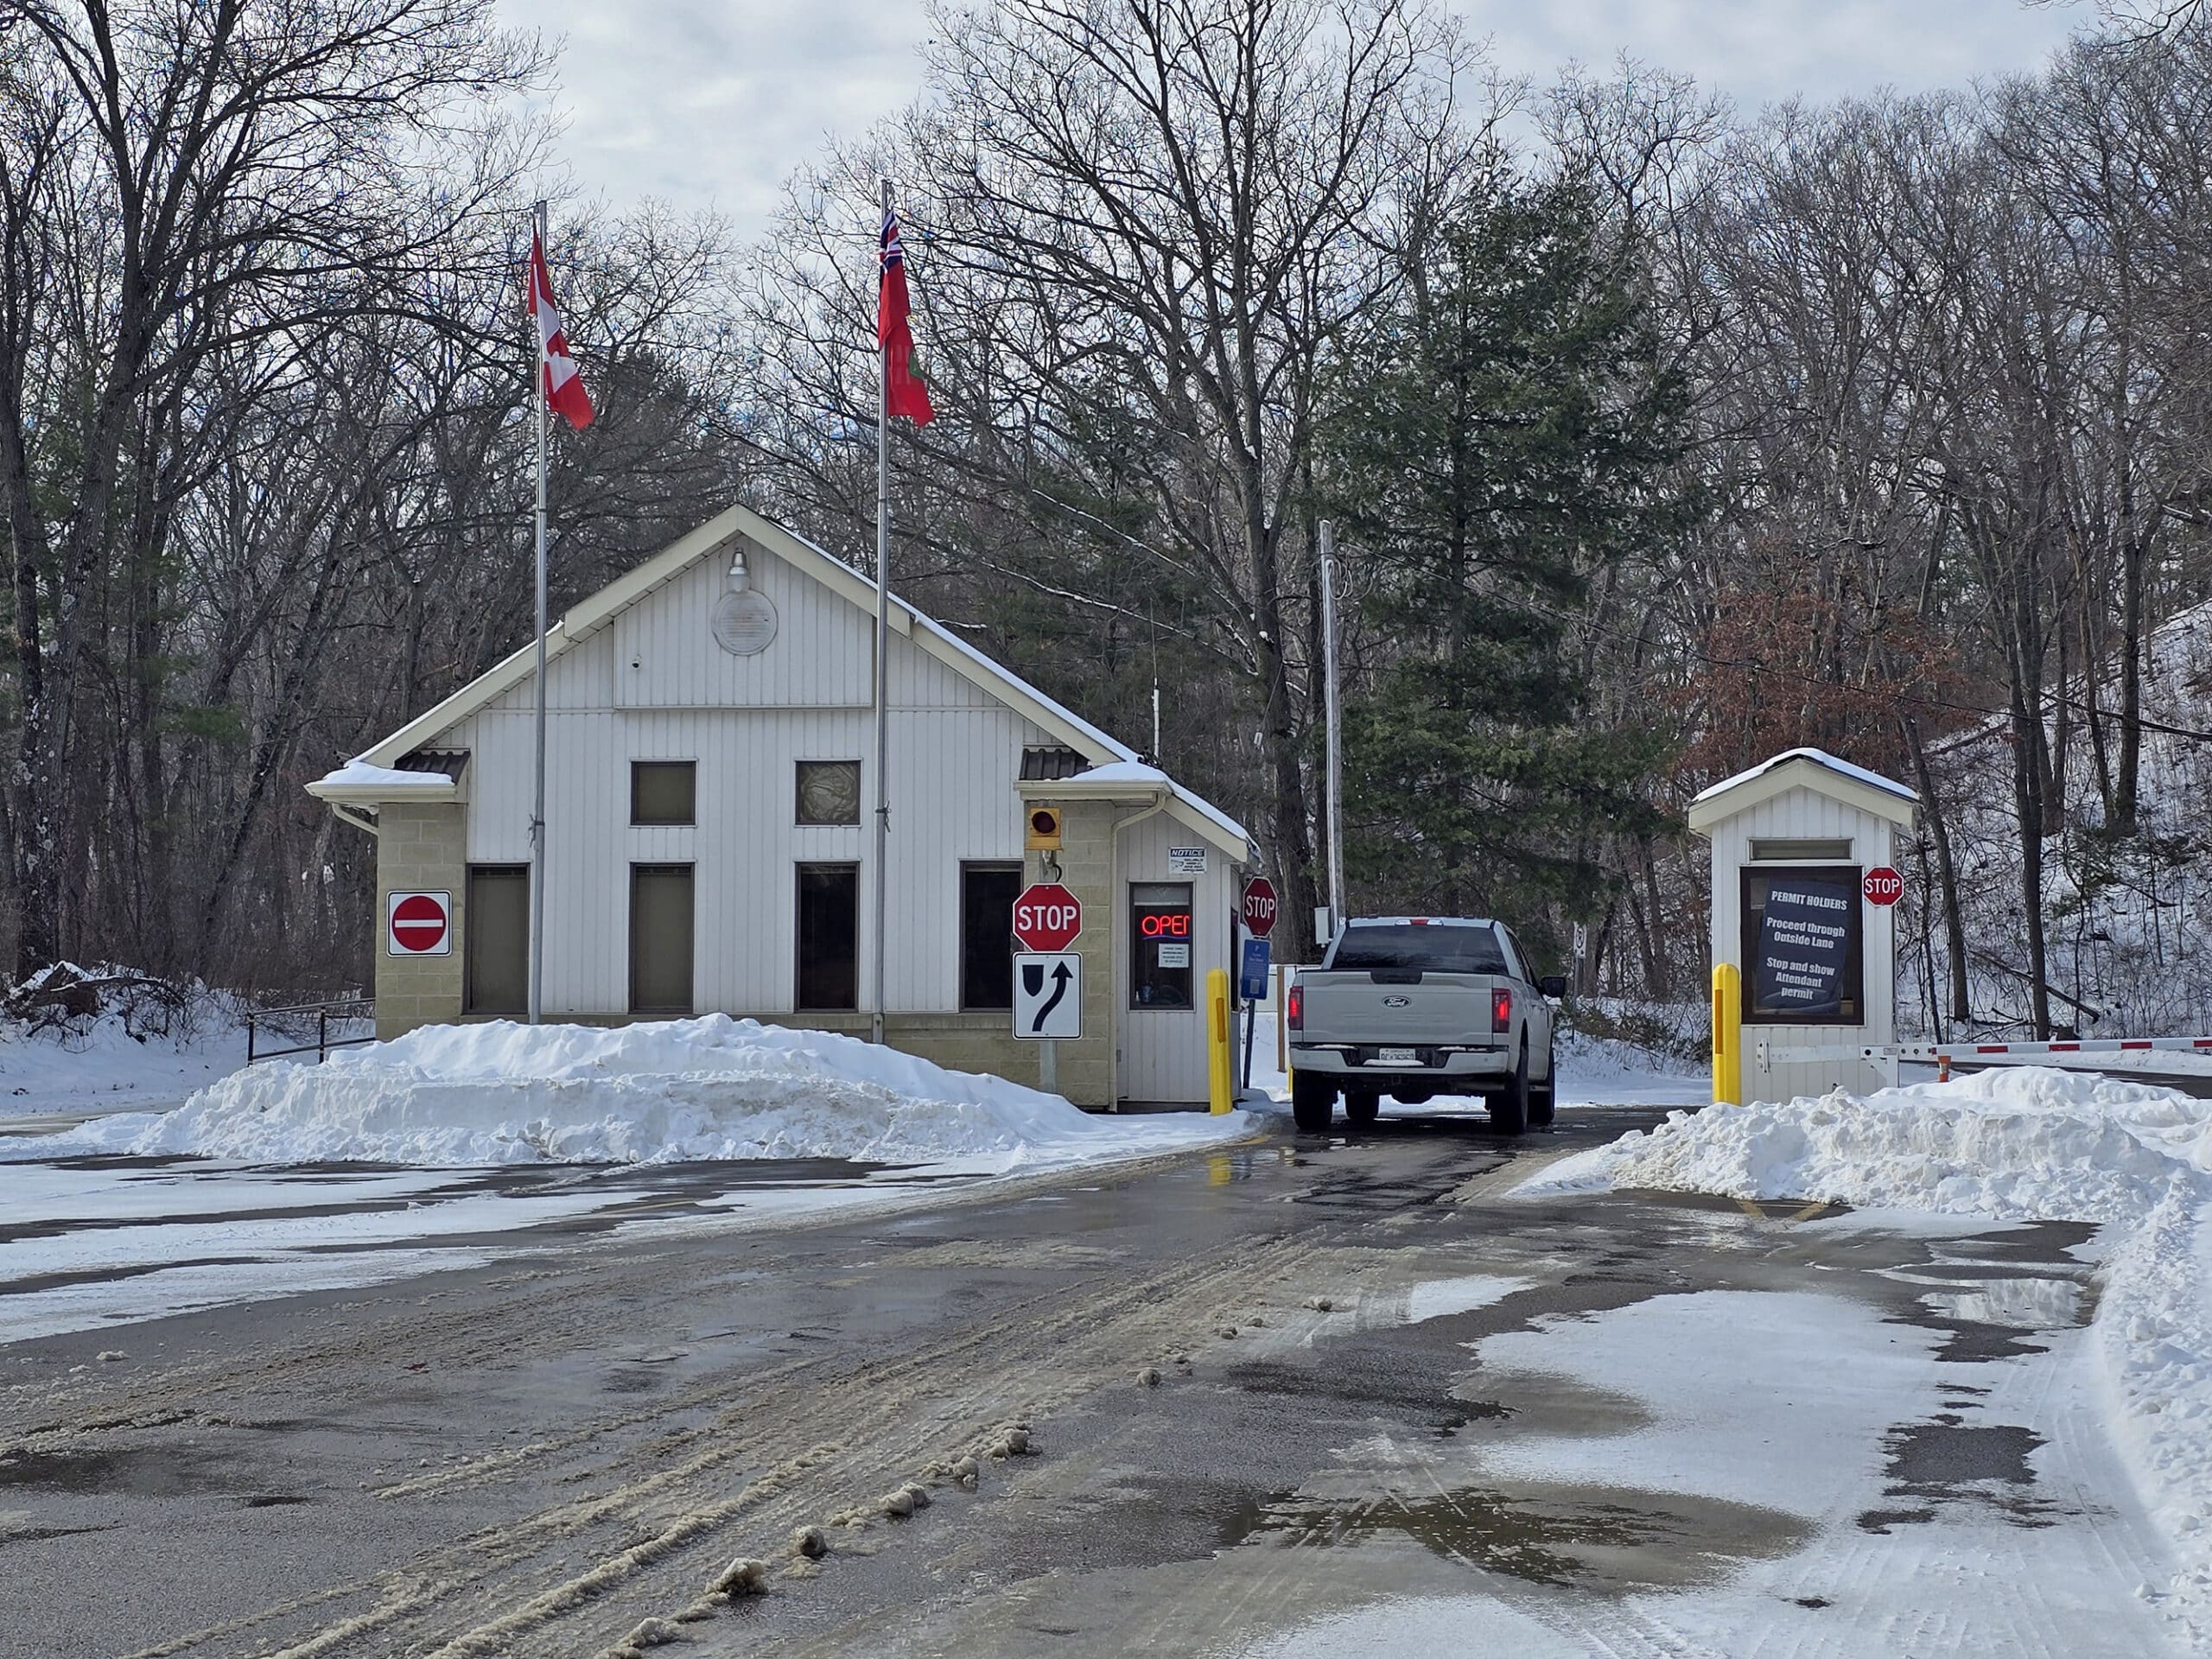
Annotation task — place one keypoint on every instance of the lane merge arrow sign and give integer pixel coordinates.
(1048, 997)
(1046, 917)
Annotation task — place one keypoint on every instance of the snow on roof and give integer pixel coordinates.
(1123, 772)
(359, 774)
(1139, 773)
(1819, 757)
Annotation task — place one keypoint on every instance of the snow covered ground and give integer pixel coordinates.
(281, 1178)
(2017, 1144)
(106, 1067)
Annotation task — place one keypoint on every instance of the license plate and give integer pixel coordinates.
(1396, 1057)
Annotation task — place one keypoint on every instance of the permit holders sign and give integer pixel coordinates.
(1802, 944)
(1048, 996)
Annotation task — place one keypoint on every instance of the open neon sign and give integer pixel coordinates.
(1164, 924)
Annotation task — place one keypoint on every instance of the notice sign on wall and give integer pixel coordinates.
(1802, 946)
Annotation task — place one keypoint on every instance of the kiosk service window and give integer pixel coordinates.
(1160, 936)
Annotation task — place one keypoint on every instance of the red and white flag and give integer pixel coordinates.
(903, 390)
(564, 387)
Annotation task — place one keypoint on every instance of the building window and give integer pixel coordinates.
(829, 792)
(1160, 936)
(660, 938)
(495, 974)
(828, 936)
(987, 896)
(664, 791)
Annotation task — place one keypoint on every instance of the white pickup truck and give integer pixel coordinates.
(1413, 1006)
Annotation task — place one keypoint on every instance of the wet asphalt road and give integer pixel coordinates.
(538, 1457)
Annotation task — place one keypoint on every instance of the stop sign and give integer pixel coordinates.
(419, 924)
(1046, 917)
(1883, 886)
(1259, 906)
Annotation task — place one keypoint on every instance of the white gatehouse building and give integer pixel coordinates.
(709, 845)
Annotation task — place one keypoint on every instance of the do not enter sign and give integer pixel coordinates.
(1883, 886)
(419, 924)
(1046, 917)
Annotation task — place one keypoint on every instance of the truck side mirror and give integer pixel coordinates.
(1553, 985)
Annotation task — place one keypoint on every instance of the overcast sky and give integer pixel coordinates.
(712, 103)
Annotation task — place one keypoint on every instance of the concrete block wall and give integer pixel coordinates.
(1086, 860)
(420, 848)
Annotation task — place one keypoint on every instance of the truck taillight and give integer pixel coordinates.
(1295, 1008)
(1501, 1009)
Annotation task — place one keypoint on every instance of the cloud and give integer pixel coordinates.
(714, 102)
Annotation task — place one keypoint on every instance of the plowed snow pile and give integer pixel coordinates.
(2022, 1144)
(502, 1093)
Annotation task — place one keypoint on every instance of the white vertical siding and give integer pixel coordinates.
(1807, 815)
(654, 685)
(1164, 1051)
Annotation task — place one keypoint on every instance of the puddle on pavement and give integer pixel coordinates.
(1606, 1537)
(1948, 1462)
(154, 1471)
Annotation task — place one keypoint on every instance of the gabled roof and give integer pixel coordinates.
(589, 616)
(1814, 769)
(1086, 748)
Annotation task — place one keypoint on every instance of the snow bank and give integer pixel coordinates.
(2024, 1143)
(711, 1088)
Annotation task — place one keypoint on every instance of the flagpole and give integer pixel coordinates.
(882, 645)
(538, 808)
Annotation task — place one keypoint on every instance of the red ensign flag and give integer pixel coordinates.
(903, 390)
(564, 387)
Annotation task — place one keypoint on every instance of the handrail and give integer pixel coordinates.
(343, 1008)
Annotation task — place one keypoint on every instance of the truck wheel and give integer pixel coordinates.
(1312, 1102)
(1362, 1107)
(1508, 1106)
(1543, 1097)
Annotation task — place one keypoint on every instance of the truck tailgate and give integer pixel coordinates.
(1396, 1008)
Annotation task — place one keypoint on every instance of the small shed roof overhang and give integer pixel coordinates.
(1813, 769)
(1138, 784)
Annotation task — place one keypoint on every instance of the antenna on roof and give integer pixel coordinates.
(1154, 622)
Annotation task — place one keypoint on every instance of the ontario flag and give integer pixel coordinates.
(903, 390)
(564, 387)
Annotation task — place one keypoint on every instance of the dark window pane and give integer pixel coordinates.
(829, 792)
(664, 791)
(987, 896)
(1161, 937)
(1434, 948)
(828, 936)
(660, 938)
(497, 924)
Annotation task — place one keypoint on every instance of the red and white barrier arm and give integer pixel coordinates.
(1953, 1053)
(2081, 1045)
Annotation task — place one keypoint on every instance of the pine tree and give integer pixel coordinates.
(1509, 430)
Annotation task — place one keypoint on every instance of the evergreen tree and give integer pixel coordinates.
(1509, 430)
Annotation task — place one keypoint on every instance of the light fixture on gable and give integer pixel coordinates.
(745, 618)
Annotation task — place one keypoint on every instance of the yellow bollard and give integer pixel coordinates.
(1218, 1047)
(1727, 1034)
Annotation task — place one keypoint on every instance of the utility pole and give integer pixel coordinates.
(1332, 704)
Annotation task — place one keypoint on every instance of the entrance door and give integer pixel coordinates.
(660, 939)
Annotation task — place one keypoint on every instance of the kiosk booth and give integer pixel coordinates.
(1804, 945)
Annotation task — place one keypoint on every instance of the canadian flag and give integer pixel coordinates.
(564, 388)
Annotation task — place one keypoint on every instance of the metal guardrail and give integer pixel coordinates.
(346, 1011)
